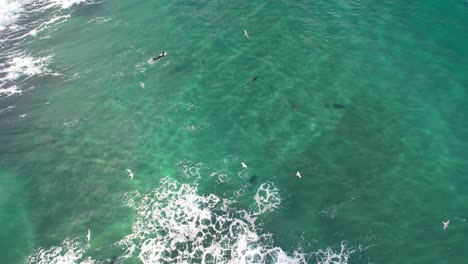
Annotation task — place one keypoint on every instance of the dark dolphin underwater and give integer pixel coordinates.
(261, 132)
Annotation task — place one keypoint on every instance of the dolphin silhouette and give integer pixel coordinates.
(253, 179)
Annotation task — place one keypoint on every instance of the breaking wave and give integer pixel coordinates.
(71, 251)
(20, 67)
(18, 20)
(9, 13)
(24, 66)
(12, 90)
(176, 224)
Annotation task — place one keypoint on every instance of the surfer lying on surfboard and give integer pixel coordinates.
(162, 55)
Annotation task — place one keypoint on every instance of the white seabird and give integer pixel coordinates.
(130, 174)
(446, 224)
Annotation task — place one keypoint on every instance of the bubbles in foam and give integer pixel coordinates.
(189, 169)
(332, 211)
(242, 190)
(21, 67)
(194, 126)
(8, 109)
(177, 225)
(9, 91)
(66, 3)
(329, 256)
(100, 20)
(63, 4)
(24, 65)
(267, 198)
(57, 19)
(72, 123)
(244, 173)
(220, 176)
(18, 20)
(70, 252)
(181, 106)
(31, 11)
(9, 13)
(140, 69)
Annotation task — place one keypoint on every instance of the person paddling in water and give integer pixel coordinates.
(162, 55)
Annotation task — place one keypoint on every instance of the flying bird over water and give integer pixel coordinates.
(244, 165)
(298, 174)
(246, 34)
(130, 174)
(446, 224)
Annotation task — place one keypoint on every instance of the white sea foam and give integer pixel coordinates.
(9, 13)
(19, 68)
(100, 20)
(189, 126)
(176, 224)
(244, 173)
(267, 198)
(329, 256)
(140, 69)
(8, 109)
(72, 123)
(62, 4)
(333, 210)
(12, 11)
(54, 20)
(189, 169)
(70, 252)
(9, 91)
(39, 15)
(21, 65)
(66, 3)
(59, 13)
(220, 176)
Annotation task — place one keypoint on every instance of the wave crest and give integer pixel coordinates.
(177, 225)
(71, 251)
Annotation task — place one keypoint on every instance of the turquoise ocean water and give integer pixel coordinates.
(367, 100)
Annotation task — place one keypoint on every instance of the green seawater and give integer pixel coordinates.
(366, 99)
